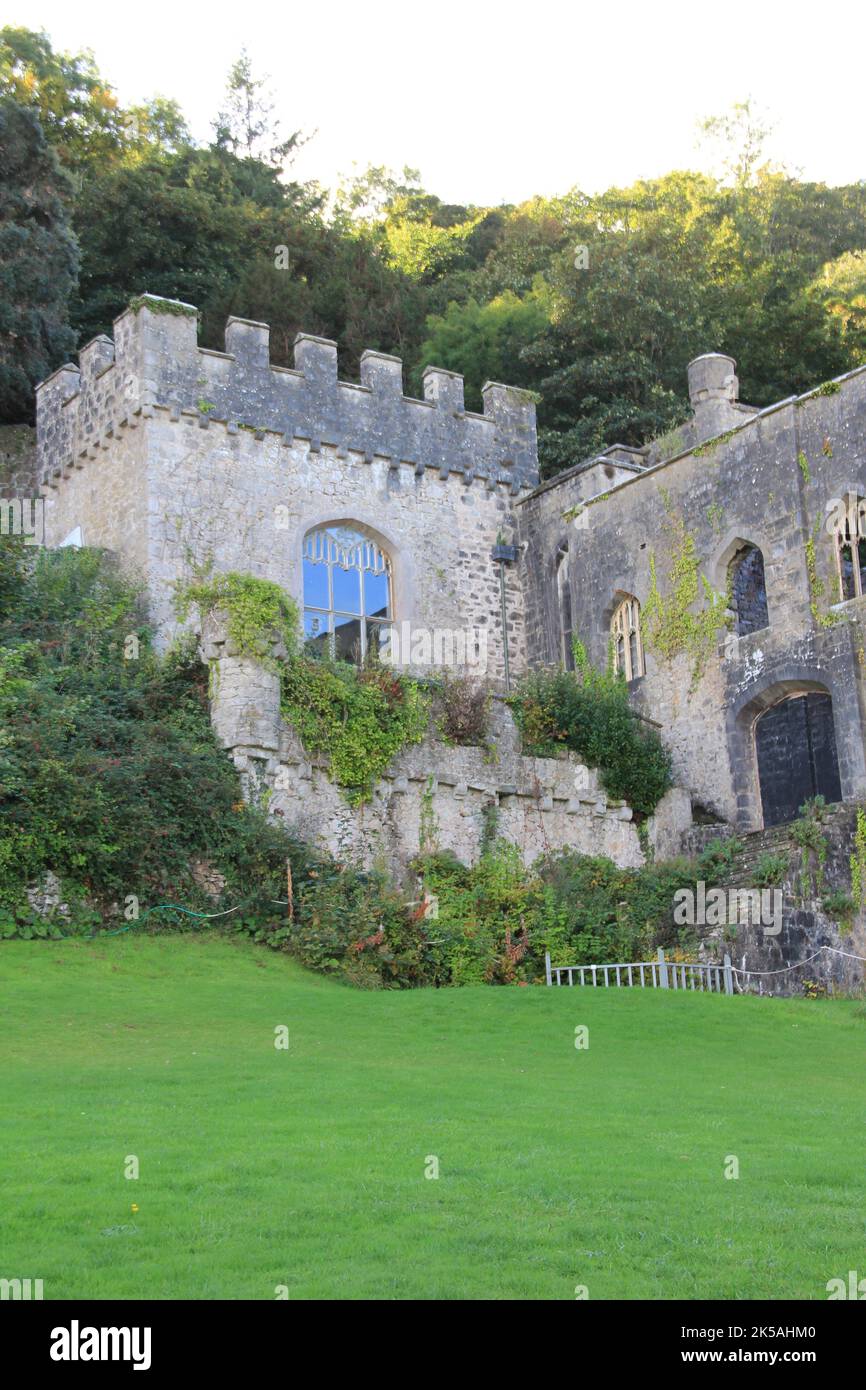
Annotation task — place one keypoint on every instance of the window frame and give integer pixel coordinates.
(850, 534)
(625, 629)
(363, 556)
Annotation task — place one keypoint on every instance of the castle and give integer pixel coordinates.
(723, 568)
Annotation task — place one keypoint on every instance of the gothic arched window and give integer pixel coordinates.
(748, 590)
(347, 592)
(626, 640)
(850, 537)
(563, 608)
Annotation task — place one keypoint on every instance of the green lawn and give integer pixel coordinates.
(306, 1167)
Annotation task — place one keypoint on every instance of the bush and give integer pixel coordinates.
(770, 869)
(110, 773)
(719, 859)
(840, 906)
(589, 713)
(462, 710)
(495, 919)
(354, 925)
(613, 914)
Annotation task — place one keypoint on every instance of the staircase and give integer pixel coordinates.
(837, 824)
(806, 928)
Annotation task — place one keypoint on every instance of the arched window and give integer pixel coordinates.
(563, 608)
(347, 592)
(748, 590)
(850, 544)
(625, 636)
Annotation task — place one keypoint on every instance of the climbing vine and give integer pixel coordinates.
(710, 445)
(858, 861)
(827, 388)
(258, 611)
(670, 623)
(428, 822)
(817, 587)
(808, 833)
(357, 720)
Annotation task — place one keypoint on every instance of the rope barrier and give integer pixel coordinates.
(176, 907)
(799, 966)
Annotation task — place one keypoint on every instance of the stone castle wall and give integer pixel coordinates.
(433, 795)
(767, 482)
(173, 456)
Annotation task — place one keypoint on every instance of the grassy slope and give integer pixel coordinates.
(306, 1167)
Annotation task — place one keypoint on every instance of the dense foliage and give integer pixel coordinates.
(594, 303)
(110, 775)
(111, 779)
(588, 712)
(356, 719)
(38, 261)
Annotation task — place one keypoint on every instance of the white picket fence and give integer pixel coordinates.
(655, 974)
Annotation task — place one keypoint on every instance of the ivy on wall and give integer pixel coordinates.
(259, 612)
(858, 861)
(817, 587)
(357, 719)
(670, 622)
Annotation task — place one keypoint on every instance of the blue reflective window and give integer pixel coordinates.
(347, 592)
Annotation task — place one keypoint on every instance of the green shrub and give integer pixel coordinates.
(719, 859)
(110, 773)
(840, 906)
(613, 914)
(494, 920)
(770, 869)
(353, 925)
(588, 712)
(358, 719)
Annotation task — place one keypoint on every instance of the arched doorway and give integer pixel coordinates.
(795, 743)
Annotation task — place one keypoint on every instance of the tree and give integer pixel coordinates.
(485, 342)
(158, 126)
(841, 289)
(739, 138)
(38, 261)
(246, 126)
(77, 109)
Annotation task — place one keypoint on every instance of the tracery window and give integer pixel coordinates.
(347, 592)
(849, 529)
(626, 640)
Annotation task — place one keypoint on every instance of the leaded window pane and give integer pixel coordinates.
(347, 582)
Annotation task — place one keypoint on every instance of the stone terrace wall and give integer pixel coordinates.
(432, 793)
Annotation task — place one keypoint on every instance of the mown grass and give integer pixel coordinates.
(306, 1167)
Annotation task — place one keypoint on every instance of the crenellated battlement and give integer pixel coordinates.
(154, 360)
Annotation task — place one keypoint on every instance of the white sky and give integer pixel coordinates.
(496, 101)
